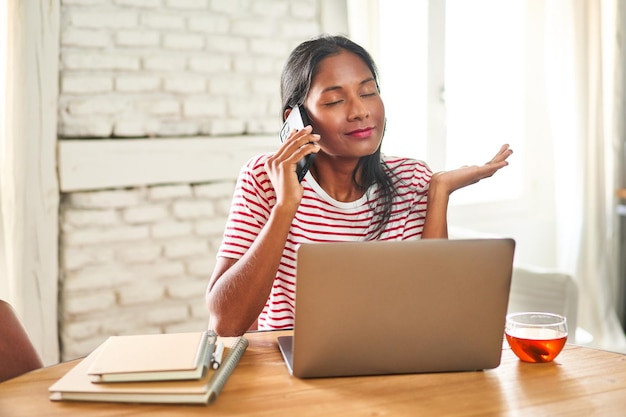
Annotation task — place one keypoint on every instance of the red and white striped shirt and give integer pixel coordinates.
(319, 218)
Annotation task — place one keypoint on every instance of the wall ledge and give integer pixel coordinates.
(96, 164)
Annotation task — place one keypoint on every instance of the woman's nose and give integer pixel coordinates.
(358, 110)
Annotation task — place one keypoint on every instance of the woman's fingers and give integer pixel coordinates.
(282, 165)
(296, 146)
(504, 152)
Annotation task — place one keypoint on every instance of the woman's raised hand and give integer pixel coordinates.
(281, 167)
(450, 181)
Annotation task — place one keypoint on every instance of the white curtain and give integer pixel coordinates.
(585, 101)
(4, 289)
(29, 193)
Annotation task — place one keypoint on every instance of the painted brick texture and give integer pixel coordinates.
(154, 68)
(138, 259)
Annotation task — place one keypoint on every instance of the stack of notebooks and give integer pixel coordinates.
(183, 368)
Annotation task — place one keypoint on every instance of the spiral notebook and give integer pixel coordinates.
(393, 307)
(152, 357)
(76, 384)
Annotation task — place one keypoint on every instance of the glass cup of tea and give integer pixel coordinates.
(536, 337)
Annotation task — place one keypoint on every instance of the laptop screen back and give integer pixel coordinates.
(371, 308)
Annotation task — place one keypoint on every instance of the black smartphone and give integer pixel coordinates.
(298, 119)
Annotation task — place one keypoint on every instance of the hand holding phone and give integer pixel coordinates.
(297, 119)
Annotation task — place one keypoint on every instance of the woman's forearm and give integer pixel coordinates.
(436, 222)
(237, 296)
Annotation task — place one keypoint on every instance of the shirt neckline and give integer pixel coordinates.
(339, 204)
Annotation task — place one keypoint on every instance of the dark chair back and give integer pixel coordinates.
(17, 353)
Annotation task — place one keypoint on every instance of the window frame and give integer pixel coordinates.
(528, 218)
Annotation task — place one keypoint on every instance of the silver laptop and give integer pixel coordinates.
(376, 308)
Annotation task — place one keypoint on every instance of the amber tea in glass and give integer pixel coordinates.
(536, 337)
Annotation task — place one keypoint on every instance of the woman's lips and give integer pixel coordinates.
(361, 133)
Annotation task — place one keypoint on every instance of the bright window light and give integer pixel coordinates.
(484, 89)
(484, 93)
(402, 62)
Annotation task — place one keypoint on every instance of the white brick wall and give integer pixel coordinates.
(142, 256)
(138, 259)
(144, 68)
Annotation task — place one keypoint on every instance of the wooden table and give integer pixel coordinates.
(582, 381)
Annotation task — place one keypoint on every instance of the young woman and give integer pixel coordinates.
(352, 191)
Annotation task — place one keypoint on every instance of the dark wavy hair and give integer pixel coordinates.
(298, 73)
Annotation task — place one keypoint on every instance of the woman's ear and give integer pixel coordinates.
(286, 113)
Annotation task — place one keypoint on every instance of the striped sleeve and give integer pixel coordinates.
(252, 202)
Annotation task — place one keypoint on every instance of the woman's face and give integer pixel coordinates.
(345, 108)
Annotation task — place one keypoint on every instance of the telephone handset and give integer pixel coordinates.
(298, 119)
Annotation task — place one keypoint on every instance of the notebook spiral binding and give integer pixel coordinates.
(237, 349)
